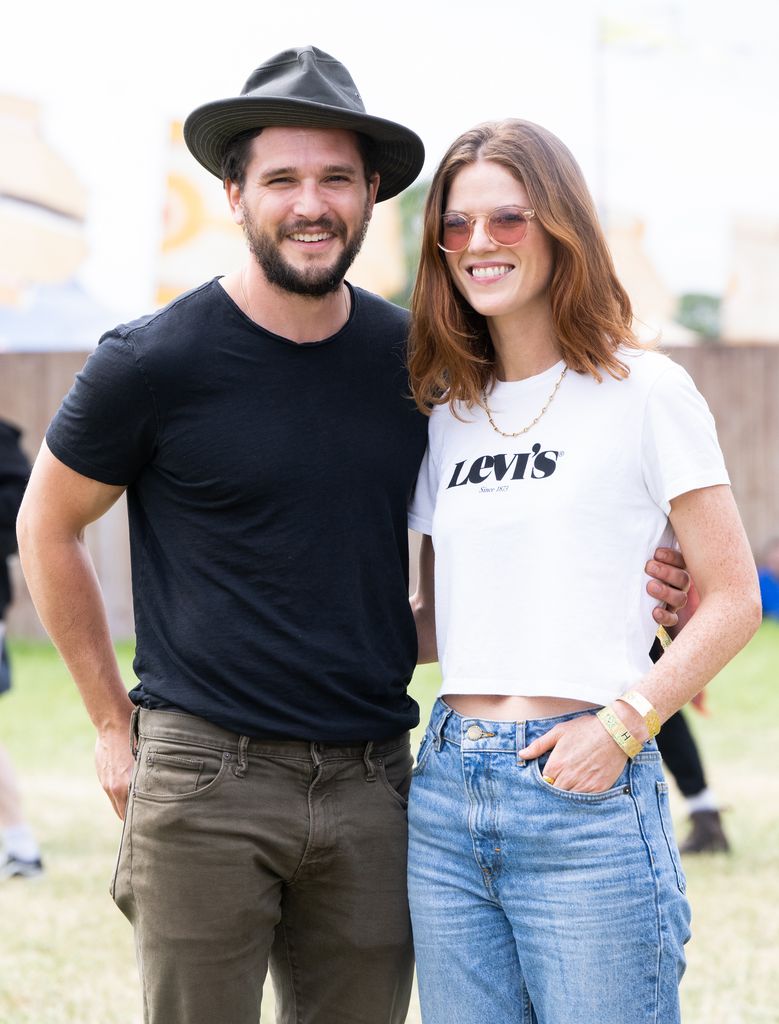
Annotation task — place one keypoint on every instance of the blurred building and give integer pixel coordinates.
(750, 306)
(654, 304)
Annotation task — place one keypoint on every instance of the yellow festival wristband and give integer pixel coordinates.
(618, 731)
(645, 708)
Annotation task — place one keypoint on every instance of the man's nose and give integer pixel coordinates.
(310, 201)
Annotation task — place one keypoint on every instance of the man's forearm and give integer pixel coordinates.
(64, 588)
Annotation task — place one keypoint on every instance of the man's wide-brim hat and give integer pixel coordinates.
(304, 87)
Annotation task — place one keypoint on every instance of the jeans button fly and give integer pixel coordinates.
(474, 732)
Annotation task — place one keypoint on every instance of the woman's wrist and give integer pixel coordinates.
(619, 732)
(632, 719)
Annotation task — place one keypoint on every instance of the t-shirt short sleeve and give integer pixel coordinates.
(107, 425)
(680, 448)
(420, 513)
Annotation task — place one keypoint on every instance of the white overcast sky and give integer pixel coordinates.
(678, 126)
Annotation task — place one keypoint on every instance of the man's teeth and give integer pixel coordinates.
(490, 271)
(319, 237)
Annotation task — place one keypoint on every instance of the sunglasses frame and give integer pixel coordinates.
(526, 213)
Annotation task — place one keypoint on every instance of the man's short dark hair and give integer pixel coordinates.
(235, 158)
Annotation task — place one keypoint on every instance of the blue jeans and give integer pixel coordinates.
(533, 905)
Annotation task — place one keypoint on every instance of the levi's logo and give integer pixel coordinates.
(533, 465)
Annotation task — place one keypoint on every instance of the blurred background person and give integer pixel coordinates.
(768, 573)
(682, 758)
(20, 856)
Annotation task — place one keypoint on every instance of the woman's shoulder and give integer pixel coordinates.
(648, 366)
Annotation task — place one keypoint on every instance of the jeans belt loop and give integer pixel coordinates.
(369, 765)
(521, 744)
(134, 732)
(439, 729)
(240, 769)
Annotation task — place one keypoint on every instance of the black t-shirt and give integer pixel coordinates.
(267, 491)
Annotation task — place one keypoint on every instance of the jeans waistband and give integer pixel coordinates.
(483, 734)
(178, 726)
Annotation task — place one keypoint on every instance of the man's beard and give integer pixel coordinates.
(318, 280)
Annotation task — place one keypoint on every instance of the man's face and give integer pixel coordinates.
(305, 206)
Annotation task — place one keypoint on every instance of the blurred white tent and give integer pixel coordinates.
(43, 210)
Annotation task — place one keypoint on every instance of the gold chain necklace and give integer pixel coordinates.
(345, 293)
(524, 430)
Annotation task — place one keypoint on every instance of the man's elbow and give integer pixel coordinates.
(754, 611)
(30, 530)
(24, 529)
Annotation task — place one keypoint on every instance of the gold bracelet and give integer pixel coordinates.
(646, 709)
(619, 732)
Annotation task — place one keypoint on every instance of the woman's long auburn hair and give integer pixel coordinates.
(451, 356)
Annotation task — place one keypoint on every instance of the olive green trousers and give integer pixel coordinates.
(238, 854)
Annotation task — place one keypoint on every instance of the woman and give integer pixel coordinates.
(544, 880)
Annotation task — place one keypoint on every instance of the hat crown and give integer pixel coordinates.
(306, 74)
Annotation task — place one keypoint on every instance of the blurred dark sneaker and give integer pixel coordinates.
(706, 835)
(15, 867)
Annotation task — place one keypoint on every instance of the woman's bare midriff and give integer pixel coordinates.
(512, 709)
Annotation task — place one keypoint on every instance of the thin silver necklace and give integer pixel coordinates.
(344, 292)
(524, 430)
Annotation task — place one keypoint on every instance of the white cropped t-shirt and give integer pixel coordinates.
(541, 541)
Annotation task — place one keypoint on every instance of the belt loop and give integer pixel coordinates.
(134, 733)
(369, 765)
(240, 770)
(439, 728)
(520, 733)
(315, 757)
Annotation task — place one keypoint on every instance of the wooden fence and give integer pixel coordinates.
(740, 383)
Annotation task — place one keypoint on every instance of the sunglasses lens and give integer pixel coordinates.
(455, 232)
(507, 225)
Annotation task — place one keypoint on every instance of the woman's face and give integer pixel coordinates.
(497, 280)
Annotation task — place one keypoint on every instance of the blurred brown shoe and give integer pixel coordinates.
(706, 834)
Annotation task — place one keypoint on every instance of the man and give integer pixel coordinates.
(20, 856)
(262, 428)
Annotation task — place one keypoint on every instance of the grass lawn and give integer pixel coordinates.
(66, 953)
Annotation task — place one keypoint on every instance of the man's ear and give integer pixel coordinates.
(233, 193)
(373, 188)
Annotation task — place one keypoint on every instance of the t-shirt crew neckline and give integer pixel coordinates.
(247, 320)
(518, 387)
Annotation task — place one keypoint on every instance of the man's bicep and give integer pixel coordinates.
(61, 500)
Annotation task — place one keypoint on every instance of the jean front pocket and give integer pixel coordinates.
(424, 751)
(173, 772)
(621, 785)
(393, 770)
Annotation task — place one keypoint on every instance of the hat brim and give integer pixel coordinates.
(398, 152)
